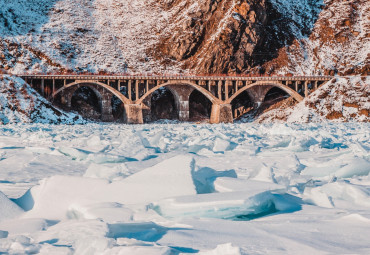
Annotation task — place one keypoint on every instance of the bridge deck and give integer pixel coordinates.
(176, 77)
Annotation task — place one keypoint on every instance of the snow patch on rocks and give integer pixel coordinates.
(107, 35)
(338, 43)
(19, 103)
(340, 100)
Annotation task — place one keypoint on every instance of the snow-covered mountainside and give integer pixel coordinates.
(290, 36)
(340, 100)
(248, 36)
(80, 35)
(339, 42)
(19, 103)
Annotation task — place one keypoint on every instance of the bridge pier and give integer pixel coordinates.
(182, 95)
(146, 106)
(66, 99)
(134, 114)
(221, 113)
(106, 106)
(43, 87)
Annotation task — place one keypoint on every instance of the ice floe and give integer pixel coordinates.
(185, 189)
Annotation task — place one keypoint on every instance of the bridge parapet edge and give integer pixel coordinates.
(180, 77)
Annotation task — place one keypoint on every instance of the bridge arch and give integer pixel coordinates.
(205, 92)
(200, 108)
(285, 88)
(274, 93)
(164, 104)
(91, 84)
(95, 98)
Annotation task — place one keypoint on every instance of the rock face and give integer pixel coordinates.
(233, 36)
(340, 100)
(337, 42)
(172, 36)
(316, 37)
(215, 36)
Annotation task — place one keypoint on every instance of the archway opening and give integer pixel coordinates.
(118, 107)
(275, 95)
(163, 105)
(242, 105)
(199, 106)
(87, 103)
(275, 98)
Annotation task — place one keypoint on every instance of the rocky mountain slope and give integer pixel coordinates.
(212, 36)
(299, 37)
(235, 36)
(82, 35)
(340, 100)
(339, 42)
(20, 103)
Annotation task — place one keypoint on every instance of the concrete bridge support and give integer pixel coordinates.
(146, 108)
(106, 106)
(182, 95)
(66, 99)
(221, 113)
(134, 114)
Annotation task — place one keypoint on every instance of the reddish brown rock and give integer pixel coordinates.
(217, 37)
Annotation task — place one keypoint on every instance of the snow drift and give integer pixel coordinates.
(8, 209)
(171, 177)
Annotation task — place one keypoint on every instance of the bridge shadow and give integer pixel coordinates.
(23, 16)
(199, 107)
(163, 106)
(118, 109)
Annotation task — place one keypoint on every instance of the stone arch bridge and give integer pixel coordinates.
(219, 90)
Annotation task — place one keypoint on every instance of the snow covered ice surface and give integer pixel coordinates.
(185, 189)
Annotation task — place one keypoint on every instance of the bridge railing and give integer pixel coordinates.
(171, 77)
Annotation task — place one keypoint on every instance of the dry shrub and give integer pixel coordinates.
(334, 115)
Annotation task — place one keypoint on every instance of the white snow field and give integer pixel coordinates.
(185, 189)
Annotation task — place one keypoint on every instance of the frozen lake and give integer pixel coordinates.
(183, 188)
